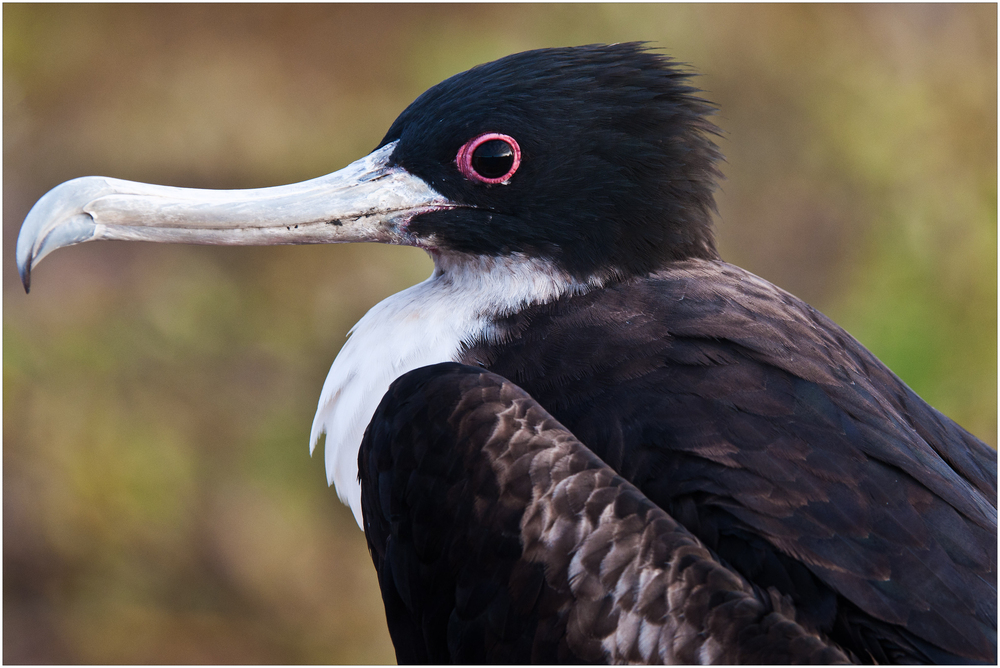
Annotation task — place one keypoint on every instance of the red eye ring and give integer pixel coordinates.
(467, 154)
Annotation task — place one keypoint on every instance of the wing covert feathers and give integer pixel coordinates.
(499, 537)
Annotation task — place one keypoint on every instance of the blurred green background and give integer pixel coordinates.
(159, 502)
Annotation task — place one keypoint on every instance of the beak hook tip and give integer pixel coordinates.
(25, 273)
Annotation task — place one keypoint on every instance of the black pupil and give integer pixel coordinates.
(492, 159)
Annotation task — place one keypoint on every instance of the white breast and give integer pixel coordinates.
(428, 323)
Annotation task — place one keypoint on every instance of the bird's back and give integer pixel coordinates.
(783, 444)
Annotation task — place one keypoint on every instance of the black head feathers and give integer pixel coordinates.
(615, 167)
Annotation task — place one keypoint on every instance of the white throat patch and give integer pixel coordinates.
(429, 323)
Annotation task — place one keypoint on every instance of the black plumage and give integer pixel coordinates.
(500, 538)
(799, 461)
(784, 445)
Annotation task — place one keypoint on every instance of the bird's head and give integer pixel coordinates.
(597, 159)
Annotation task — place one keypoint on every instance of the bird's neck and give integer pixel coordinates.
(431, 322)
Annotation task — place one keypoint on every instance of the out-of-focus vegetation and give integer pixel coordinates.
(159, 501)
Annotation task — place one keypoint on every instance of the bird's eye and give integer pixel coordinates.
(489, 158)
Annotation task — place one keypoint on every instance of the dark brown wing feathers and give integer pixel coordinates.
(601, 574)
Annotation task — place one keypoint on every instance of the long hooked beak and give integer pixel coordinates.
(368, 200)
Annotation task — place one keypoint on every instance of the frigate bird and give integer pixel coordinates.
(586, 437)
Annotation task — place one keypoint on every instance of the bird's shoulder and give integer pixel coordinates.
(728, 334)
